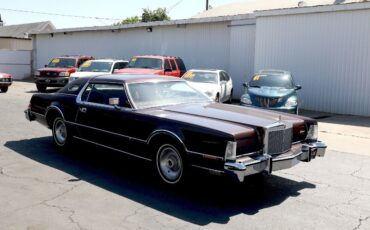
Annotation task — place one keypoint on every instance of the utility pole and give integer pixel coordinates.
(207, 4)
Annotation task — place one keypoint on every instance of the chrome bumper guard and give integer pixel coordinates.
(29, 116)
(267, 164)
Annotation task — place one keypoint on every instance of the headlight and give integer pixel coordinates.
(291, 102)
(312, 133)
(246, 99)
(64, 74)
(230, 153)
(37, 73)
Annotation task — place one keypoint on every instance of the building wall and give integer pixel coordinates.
(199, 45)
(328, 54)
(15, 44)
(16, 63)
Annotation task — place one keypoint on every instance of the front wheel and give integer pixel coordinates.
(170, 164)
(4, 89)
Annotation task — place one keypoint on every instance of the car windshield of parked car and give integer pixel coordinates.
(96, 66)
(202, 77)
(271, 80)
(62, 63)
(146, 63)
(155, 94)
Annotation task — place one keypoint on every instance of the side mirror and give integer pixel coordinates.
(298, 87)
(45, 66)
(167, 70)
(246, 85)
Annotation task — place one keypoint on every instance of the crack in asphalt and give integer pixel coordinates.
(360, 221)
(64, 209)
(353, 174)
(2, 172)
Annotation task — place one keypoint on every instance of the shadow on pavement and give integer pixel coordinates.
(202, 200)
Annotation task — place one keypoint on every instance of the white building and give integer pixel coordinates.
(325, 45)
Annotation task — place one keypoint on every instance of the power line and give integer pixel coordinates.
(61, 15)
(173, 6)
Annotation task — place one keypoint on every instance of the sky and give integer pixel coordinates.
(115, 9)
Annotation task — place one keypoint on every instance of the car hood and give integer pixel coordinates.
(270, 91)
(204, 87)
(57, 69)
(231, 119)
(5, 75)
(88, 74)
(138, 71)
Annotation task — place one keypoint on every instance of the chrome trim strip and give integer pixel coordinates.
(105, 131)
(158, 131)
(56, 108)
(208, 169)
(114, 149)
(39, 114)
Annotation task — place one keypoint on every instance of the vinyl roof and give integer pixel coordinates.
(248, 7)
(23, 30)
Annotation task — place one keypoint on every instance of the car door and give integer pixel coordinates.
(223, 86)
(175, 69)
(105, 117)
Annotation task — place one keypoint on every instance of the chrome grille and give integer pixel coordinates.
(49, 74)
(278, 139)
(267, 102)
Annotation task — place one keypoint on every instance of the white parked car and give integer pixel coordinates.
(98, 67)
(217, 84)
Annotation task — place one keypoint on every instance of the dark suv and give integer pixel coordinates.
(157, 65)
(57, 72)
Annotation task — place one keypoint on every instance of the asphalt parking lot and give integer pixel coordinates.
(90, 188)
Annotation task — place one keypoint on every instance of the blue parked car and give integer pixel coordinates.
(272, 89)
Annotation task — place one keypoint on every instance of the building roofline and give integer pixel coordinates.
(10, 37)
(314, 9)
(178, 22)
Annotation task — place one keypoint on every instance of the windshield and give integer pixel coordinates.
(146, 63)
(62, 63)
(203, 77)
(271, 80)
(94, 66)
(154, 94)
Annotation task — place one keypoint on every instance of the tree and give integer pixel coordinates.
(128, 20)
(159, 14)
(148, 15)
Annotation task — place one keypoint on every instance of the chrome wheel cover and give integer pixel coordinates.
(60, 132)
(169, 164)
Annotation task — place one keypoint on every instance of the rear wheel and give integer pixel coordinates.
(61, 134)
(170, 164)
(231, 97)
(41, 88)
(217, 98)
(4, 89)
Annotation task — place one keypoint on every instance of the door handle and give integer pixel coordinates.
(83, 110)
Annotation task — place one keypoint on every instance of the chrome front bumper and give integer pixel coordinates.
(267, 164)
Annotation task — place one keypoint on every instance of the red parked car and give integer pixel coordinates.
(5, 82)
(57, 72)
(157, 65)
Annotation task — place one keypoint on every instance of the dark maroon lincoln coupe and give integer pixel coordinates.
(166, 121)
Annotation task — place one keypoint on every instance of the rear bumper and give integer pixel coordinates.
(267, 164)
(29, 116)
(55, 81)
